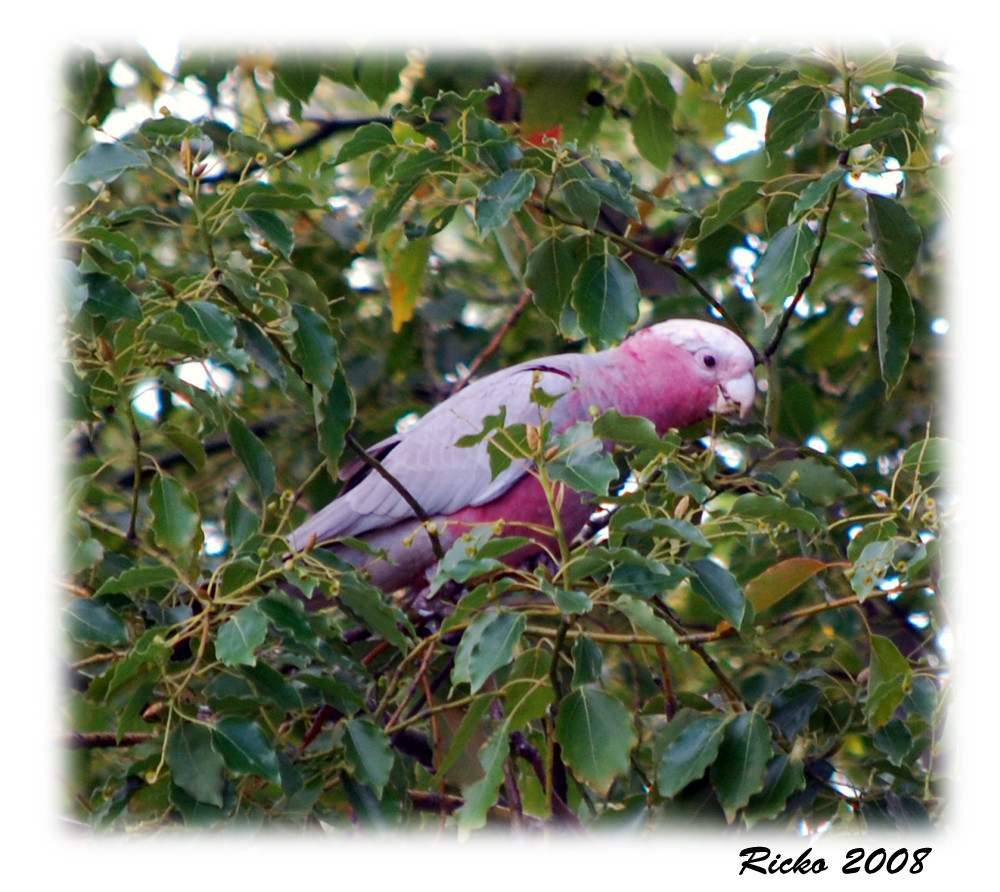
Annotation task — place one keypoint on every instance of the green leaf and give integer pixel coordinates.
(245, 749)
(817, 192)
(252, 455)
(137, 578)
(895, 740)
(791, 117)
(288, 614)
(104, 162)
(480, 797)
(499, 198)
(212, 323)
(91, 622)
(644, 577)
(587, 662)
(880, 126)
(296, 75)
(762, 75)
(738, 770)
(650, 81)
(889, 681)
(269, 685)
(549, 273)
(377, 73)
(773, 510)
(929, 456)
(313, 347)
(568, 601)
(596, 735)
(369, 756)
(334, 412)
(470, 725)
(581, 463)
(784, 264)
(690, 744)
(194, 764)
(368, 604)
(895, 235)
(487, 644)
(527, 692)
(580, 198)
(606, 297)
(719, 588)
(262, 351)
(463, 560)
(819, 478)
(176, 520)
(894, 325)
(241, 521)
(870, 567)
(269, 227)
(784, 776)
(731, 204)
(367, 138)
(108, 297)
(903, 101)
(653, 132)
(188, 446)
(641, 614)
(665, 528)
(213, 326)
(240, 636)
(630, 430)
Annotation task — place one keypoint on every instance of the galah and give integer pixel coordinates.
(674, 373)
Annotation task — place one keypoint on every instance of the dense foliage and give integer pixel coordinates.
(753, 633)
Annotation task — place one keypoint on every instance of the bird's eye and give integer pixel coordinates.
(709, 361)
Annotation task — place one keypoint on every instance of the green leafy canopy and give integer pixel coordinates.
(753, 629)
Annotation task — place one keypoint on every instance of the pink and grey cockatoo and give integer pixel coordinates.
(674, 373)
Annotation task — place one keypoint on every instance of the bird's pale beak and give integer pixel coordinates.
(736, 394)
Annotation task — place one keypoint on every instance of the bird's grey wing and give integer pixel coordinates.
(441, 476)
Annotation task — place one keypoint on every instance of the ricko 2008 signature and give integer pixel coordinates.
(760, 860)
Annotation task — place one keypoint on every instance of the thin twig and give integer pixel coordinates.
(407, 497)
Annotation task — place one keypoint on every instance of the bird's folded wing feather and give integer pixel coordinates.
(442, 477)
